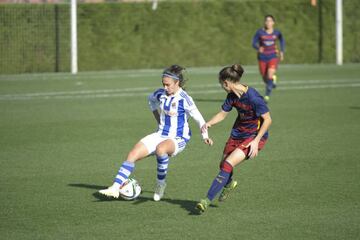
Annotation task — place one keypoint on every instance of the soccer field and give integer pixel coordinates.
(64, 137)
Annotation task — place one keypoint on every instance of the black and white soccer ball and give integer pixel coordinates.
(130, 190)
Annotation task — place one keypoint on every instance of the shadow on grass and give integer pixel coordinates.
(355, 107)
(187, 205)
(90, 186)
(97, 195)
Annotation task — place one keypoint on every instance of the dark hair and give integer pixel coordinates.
(270, 16)
(231, 73)
(176, 72)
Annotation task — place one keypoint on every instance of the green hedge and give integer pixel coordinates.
(34, 38)
(191, 33)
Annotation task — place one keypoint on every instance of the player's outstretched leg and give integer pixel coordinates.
(123, 174)
(162, 166)
(216, 186)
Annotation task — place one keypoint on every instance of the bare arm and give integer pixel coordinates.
(265, 125)
(281, 56)
(214, 120)
(254, 144)
(217, 118)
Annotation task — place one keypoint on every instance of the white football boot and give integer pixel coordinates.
(159, 191)
(113, 191)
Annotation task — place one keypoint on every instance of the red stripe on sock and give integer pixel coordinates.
(226, 167)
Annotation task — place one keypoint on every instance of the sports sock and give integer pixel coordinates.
(162, 166)
(274, 81)
(230, 179)
(124, 172)
(220, 181)
(269, 87)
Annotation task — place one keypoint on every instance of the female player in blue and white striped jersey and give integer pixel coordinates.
(171, 107)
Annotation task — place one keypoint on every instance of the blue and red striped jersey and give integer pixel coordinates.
(268, 42)
(250, 106)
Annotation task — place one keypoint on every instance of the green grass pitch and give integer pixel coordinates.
(63, 137)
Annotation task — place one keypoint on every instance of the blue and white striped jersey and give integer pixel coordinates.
(174, 113)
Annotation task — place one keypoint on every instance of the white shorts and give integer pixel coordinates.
(152, 140)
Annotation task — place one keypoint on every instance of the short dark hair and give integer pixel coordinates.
(231, 73)
(178, 72)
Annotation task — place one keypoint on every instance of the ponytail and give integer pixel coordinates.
(231, 73)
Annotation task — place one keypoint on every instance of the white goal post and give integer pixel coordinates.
(339, 32)
(74, 54)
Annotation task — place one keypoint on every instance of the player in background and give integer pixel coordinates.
(248, 135)
(171, 107)
(264, 42)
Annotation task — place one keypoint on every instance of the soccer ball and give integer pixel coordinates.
(130, 190)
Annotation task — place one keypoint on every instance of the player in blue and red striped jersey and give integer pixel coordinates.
(264, 42)
(248, 135)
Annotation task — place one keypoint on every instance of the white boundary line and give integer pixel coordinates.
(249, 69)
(135, 92)
(111, 74)
(150, 89)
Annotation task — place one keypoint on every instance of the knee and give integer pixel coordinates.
(270, 74)
(226, 166)
(160, 150)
